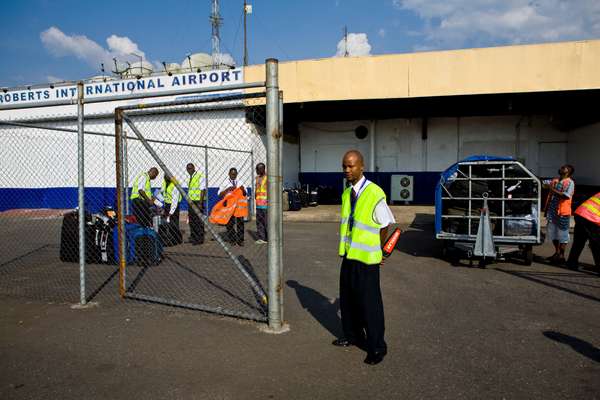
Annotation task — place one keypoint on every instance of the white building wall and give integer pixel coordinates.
(399, 145)
(584, 154)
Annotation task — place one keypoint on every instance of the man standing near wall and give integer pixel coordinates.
(587, 227)
(364, 225)
(141, 196)
(260, 197)
(197, 194)
(558, 212)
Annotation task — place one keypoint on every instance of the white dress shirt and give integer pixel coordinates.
(175, 200)
(382, 213)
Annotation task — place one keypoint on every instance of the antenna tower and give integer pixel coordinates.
(216, 21)
(345, 41)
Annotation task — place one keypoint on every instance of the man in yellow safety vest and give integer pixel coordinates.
(587, 227)
(364, 225)
(260, 197)
(197, 194)
(141, 196)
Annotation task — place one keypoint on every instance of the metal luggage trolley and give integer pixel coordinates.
(488, 208)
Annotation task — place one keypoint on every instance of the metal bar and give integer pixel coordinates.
(73, 101)
(494, 179)
(503, 195)
(128, 137)
(274, 189)
(491, 217)
(206, 180)
(120, 199)
(255, 286)
(252, 185)
(80, 192)
(470, 196)
(490, 198)
(194, 306)
(126, 173)
(280, 193)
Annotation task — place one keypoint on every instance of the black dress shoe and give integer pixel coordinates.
(342, 342)
(375, 358)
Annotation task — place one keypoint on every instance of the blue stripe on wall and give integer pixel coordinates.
(424, 183)
(66, 198)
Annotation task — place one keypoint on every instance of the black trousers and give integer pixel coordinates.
(196, 224)
(142, 212)
(175, 217)
(361, 305)
(235, 229)
(261, 223)
(584, 231)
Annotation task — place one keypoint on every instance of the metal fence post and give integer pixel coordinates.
(121, 198)
(80, 192)
(205, 180)
(274, 188)
(280, 193)
(126, 171)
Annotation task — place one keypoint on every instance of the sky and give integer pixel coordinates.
(53, 40)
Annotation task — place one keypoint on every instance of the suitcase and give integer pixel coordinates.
(169, 234)
(295, 203)
(69, 238)
(142, 246)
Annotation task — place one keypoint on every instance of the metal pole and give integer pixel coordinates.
(205, 180)
(245, 36)
(274, 188)
(252, 185)
(126, 172)
(280, 193)
(80, 192)
(120, 198)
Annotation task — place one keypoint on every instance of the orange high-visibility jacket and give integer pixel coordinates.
(564, 204)
(233, 204)
(590, 209)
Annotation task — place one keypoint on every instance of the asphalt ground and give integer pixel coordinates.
(453, 331)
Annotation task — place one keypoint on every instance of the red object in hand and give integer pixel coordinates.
(130, 219)
(390, 243)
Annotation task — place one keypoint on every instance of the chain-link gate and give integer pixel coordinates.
(60, 193)
(224, 270)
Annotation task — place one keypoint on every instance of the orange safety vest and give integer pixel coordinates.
(233, 204)
(590, 209)
(564, 204)
(261, 191)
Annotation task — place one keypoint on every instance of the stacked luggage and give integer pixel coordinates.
(101, 240)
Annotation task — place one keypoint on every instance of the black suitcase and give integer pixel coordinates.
(147, 251)
(295, 203)
(69, 238)
(169, 234)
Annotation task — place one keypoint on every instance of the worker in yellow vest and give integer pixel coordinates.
(587, 227)
(141, 196)
(365, 218)
(197, 194)
(260, 196)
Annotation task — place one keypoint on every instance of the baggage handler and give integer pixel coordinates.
(363, 230)
(197, 194)
(235, 226)
(171, 196)
(587, 227)
(260, 196)
(558, 212)
(141, 197)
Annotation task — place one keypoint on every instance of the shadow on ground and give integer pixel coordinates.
(319, 306)
(580, 346)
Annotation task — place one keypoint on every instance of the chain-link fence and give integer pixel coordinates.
(61, 197)
(38, 217)
(190, 253)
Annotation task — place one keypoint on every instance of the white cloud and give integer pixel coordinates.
(458, 23)
(87, 50)
(381, 32)
(120, 47)
(358, 45)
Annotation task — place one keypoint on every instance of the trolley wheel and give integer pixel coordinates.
(483, 262)
(528, 254)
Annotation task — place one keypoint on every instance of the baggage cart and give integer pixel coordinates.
(488, 208)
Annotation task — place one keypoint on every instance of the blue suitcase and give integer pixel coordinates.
(143, 246)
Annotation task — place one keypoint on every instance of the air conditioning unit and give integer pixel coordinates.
(402, 188)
